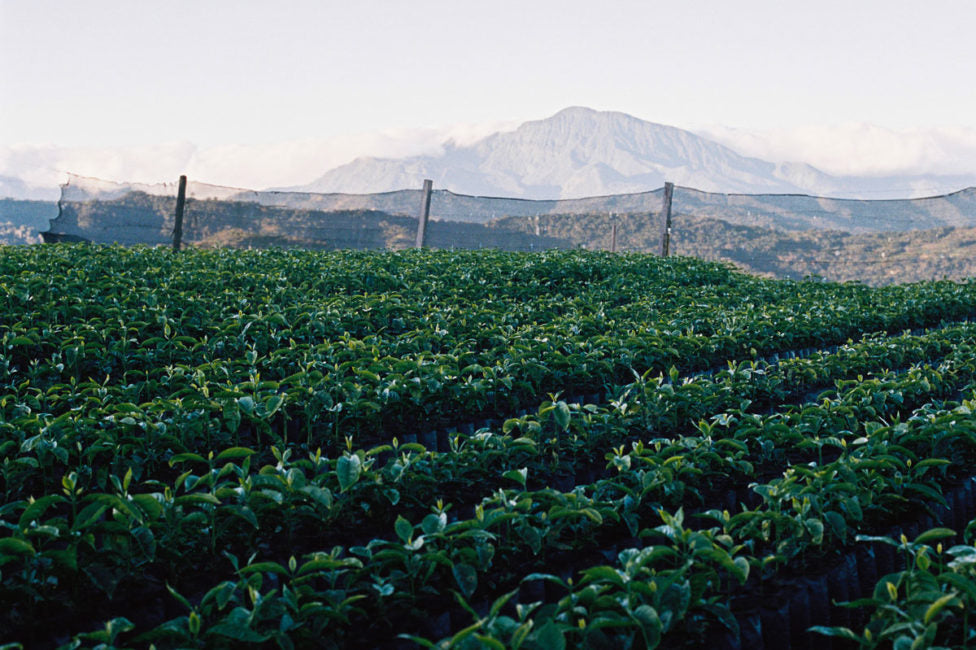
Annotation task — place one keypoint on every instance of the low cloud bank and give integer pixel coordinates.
(846, 150)
(858, 149)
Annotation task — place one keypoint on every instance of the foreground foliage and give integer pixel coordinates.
(463, 449)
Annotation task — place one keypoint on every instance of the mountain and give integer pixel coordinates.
(581, 152)
(576, 152)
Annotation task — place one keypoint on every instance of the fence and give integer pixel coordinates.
(786, 235)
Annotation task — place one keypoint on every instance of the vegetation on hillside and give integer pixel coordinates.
(872, 258)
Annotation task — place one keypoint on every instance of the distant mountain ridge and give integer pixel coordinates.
(580, 152)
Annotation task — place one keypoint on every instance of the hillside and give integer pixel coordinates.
(140, 218)
(761, 246)
(872, 258)
(21, 221)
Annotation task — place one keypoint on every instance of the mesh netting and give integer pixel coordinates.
(105, 212)
(790, 235)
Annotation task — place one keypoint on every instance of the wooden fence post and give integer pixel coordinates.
(178, 226)
(666, 209)
(424, 213)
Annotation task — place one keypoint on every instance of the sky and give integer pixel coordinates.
(259, 94)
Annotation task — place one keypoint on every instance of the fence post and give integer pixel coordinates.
(424, 213)
(180, 203)
(666, 209)
(613, 233)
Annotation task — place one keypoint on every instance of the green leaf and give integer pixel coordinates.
(934, 534)
(489, 642)
(179, 458)
(15, 546)
(36, 509)
(742, 564)
(264, 567)
(603, 574)
(517, 475)
(932, 462)
(838, 525)
(561, 415)
(272, 404)
(148, 504)
(175, 594)
(961, 583)
(466, 578)
(221, 594)
(322, 496)
(650, 624)
(500, 602)
(404, 529)
(197, 497)
(841, 632)
(247, 515)
(531, 536)
(816, 529)
(231, 413)
(936, 607)
(548, 577)
(247, 404)
(433, 523)
(550, 637)
(89, 515)
(927, 491)
(348, 470)
(593, 515)
(232, 453)
(521, 632)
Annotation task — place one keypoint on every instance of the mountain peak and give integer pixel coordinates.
(583, 117)
(573, 112)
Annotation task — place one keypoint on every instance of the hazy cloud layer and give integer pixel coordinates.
(850, 149)
(255, 166)
(858, 149)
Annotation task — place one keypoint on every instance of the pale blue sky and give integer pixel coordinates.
(119, 72)
(100, 73)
